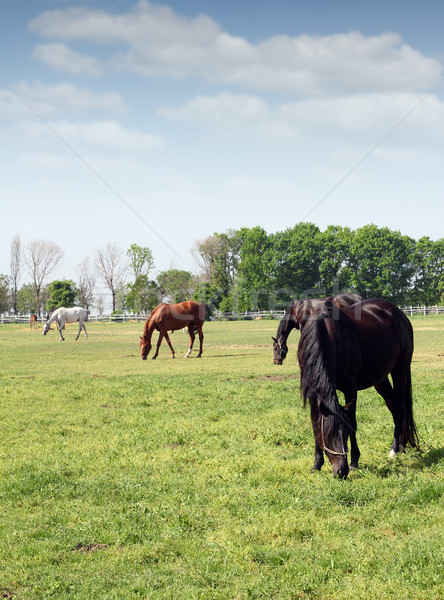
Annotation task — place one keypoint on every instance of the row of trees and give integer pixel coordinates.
(252, 269)
(243, 269)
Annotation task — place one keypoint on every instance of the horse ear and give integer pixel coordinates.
(140, 337)
(274, 339)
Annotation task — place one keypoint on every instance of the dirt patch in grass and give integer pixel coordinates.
(89, 547)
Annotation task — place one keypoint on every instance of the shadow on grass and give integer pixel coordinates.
(420, 460)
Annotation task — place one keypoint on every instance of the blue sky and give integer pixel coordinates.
(162, 123)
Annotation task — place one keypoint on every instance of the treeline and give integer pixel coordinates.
(245, 269)
(250, 269)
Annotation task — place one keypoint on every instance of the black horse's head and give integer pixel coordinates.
(280, 350)
(332, 430)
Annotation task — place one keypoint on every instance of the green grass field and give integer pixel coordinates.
(190, 479)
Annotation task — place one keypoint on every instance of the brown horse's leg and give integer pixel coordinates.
(159, 341)
(192, 337)
(167, 337)
(201, 338)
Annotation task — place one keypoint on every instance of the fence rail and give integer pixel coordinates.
(217, 315)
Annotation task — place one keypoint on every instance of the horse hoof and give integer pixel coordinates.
(392, 454)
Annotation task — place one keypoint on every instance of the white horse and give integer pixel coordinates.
(67, 315)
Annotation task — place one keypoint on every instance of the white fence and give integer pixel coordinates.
(278, 314)
(217, 315)
(120, 318)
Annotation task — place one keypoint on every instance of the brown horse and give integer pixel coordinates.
(169, 317)
(33, 321)
(350, 350)
(296, 316)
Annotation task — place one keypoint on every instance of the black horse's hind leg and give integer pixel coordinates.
(386, 391)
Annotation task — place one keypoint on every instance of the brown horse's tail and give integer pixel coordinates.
(411, 431)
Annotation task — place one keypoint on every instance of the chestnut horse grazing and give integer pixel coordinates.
(296, 316)
(170, 317)
(339, 351)
(67, 315)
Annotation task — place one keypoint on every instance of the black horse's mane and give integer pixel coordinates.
(286, 324)
(316, 356)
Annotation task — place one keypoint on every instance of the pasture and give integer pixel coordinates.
(190, 479)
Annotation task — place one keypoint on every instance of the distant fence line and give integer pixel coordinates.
(216, 316)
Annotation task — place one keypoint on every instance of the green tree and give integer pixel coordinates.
(26, 299)
(428, 259)
(334, 272)
(254, 285)
(178, 285)
(4, 293)
(381, 263)
(61, 293)
(218, 258)
(142, 295)
(140, 260)
(296, 262)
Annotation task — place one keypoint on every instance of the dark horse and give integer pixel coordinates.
(296, 316)
(352, 349)
(169, 317)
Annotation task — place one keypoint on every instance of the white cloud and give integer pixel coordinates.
(47, 100)
(219, 111)
(364, 117)
(62, 58)
(104, 136)
(156, 41)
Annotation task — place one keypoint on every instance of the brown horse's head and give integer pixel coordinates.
(145, 347)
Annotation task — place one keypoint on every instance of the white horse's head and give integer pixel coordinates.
(46, 328)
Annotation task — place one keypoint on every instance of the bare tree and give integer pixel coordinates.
(41, 259)
(86, 284)
(205, 253)
(111, 269)
(100, 303)
(15, 267)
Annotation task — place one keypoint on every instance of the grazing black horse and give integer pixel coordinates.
(296, 316)
(338, 351)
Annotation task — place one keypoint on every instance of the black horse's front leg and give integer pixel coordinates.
(350, 411)
(319, 458)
